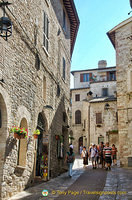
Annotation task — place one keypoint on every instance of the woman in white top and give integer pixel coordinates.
(84, 155)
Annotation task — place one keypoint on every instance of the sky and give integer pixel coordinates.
(97, 17)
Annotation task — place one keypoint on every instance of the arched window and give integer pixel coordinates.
(78, 117)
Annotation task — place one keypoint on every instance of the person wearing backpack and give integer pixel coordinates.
(70, 157)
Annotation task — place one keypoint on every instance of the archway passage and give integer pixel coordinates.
(80, 143)
(42, 148)
(3, 134)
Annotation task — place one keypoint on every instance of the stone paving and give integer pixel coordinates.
(114, 185)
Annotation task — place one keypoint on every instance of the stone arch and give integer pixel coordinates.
(3, 134)
(22, 114)
(70, 136)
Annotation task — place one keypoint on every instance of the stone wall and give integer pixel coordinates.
(21, 94)
(80, 130)
(96, 88)
(123, 45)
(109, 121)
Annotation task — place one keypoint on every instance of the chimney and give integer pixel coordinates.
(102, 64)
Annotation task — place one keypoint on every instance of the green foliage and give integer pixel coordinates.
(36, 132)
(19, 131)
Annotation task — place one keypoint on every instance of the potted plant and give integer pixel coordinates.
(57, 137)
(19, 133)
(36, 133)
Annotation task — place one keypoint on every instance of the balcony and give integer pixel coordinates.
(96, 79)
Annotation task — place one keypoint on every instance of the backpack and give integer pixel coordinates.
(70, 158)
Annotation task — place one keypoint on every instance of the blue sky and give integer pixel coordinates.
(97, 17)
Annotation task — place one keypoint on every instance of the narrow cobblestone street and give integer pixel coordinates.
(86, 184)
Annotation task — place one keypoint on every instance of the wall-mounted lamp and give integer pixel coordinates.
(130, 6)
(5, 22)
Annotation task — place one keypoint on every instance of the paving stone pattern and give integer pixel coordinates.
(116, 181)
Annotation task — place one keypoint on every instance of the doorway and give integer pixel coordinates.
(80, 143)
(100, 139)
(40, 147)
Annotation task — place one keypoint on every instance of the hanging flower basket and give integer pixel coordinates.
(19, 133)
(16, 136)
(36, 133)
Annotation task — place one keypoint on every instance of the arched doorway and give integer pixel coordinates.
(80, 143)
(42, 145)
(3, 134)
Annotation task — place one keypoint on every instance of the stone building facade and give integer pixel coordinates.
(35, 90)
(121, 38)
(94, 103)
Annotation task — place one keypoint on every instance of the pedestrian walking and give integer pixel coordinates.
(114, 152)
(89, 151)
(102, 160)
(84, 155)
(70, 157)
(107, 152)
(93, 152)
(97, 155)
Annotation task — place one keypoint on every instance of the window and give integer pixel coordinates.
(77, 97)
(64, 20)
(117, 116)
(85, 77)
(37, 62)
(64, 117)
(78, 117)
(46, 32)
(111, 76)
(44, 88)
(64, 69)
(104, 92)
(58, 90)
(98, 118)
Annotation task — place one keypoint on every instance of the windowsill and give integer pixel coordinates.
(76, 124)
(20, 167)
(46, 52)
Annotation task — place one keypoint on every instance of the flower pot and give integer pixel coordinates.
(57, 137)
(22, 136)
(16, 136)
(35, 136)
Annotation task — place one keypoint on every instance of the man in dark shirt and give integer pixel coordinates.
(107, 151)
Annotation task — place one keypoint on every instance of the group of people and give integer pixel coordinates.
(99, 154)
